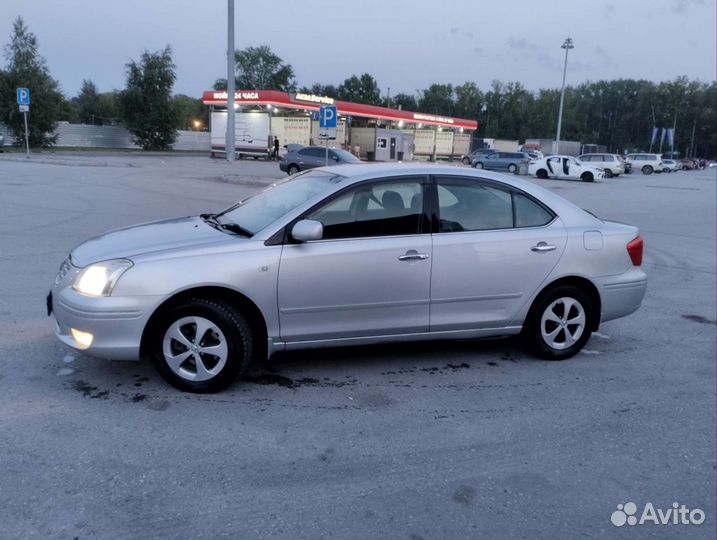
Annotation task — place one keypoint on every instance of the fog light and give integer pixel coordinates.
(83, 339)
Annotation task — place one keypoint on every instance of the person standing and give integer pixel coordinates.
(276, 147)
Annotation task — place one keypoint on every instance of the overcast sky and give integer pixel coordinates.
(405, 44)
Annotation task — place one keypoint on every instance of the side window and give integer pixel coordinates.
(586, 158)
(471, 206)
(529, 213)
(380, 209)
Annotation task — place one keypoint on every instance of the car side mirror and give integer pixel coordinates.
(307, 230)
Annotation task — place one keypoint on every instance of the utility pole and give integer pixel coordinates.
(567, 45)
(229, 144)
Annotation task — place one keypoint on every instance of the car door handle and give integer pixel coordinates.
(542, 246)
(413, 255)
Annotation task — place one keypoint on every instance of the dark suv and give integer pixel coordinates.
(309, 157)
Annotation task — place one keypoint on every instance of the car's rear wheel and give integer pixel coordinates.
(293, 169)
(466, 161)
(512, 168)
(608, 173)
(542, 173)
(647, 169)
(202, 345)
(587, 177)
(560, 324)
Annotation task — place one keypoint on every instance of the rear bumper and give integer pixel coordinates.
(622, 295)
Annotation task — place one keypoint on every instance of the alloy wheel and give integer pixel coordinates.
(195, 348)
(562, 323)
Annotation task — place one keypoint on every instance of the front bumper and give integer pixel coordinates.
(116, 324)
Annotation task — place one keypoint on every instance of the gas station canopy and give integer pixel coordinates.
(312, 102)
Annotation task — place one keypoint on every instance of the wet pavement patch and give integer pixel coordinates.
(699, 319)
(271, 378)
(87, 390)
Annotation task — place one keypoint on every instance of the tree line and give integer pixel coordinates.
(619, 114)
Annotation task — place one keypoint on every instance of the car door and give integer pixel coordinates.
(575, 169)
(555, 166)
(370, 273)
(493, 247)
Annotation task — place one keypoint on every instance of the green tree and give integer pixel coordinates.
(87, 103)
(406, 102)
(192, 114)
(146, 104)
(363, 89)
(328, 90)
(437, 99)
(27, 69)
(259, 68)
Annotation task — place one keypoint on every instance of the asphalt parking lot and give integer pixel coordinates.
(439, 440)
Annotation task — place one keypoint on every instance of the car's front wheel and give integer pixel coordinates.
(202, 345)
(608, 173)
(478, 165)
(512, 168)
(293, 169)
(587, 177)
(560, 324)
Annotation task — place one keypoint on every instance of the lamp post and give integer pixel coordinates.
(567, 45)
(229, 139)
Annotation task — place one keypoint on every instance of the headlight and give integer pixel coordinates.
(99, 279)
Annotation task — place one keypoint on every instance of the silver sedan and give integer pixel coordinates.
(349, 255)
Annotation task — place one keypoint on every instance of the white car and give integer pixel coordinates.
(564, 168)
(647, 163)
(611, 164)
(670, 165)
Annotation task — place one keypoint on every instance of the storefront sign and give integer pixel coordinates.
(311, 98)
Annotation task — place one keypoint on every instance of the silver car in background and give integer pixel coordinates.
(349, 255)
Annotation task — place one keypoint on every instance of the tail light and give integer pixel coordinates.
(634, 249)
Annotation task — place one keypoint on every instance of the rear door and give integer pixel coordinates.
(493, 247)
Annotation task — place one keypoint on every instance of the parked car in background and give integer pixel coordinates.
(475, 154)
(2, 143)
(349, 255)
(502, 161)
(611, 164)
(688, 164)
(712, 164)
(564, 168)
(647, 163)
(309, 157)
(670, 165)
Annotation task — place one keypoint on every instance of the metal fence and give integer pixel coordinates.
(86, 136)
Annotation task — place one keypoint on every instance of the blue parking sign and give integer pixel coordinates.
(23, 96)
(327, 117)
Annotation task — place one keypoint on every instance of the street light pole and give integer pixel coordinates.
(229, 140)
(567, 45)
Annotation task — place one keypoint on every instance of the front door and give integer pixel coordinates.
(370, 273)
(493, 249)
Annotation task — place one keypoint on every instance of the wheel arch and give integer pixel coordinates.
(244, 304)
(582, 283)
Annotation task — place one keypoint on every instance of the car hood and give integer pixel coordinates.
(147, 238)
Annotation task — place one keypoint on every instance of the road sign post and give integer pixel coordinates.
(23, 101)
(327, 125)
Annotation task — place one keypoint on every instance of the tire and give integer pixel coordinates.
(647, 169)
(191, 366)
(292, 169)
(512, 168)
(466, 161)
(542, 173)
(478, 165)
(608, 173)
(545, 331)
(587, 177)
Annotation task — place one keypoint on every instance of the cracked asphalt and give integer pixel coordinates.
(471, 439)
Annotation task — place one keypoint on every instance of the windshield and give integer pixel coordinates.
(258, 211)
